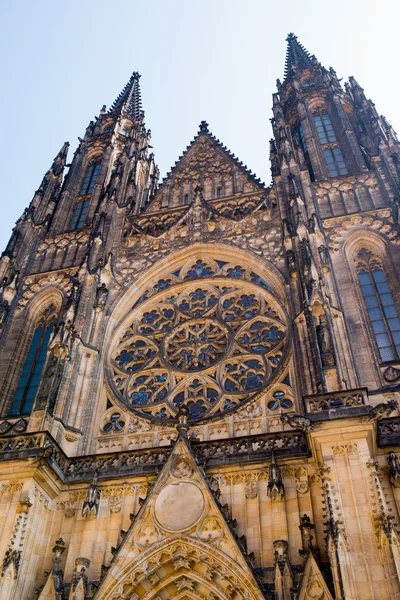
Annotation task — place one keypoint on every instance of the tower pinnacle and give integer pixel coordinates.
(296, 55)
(129, 100)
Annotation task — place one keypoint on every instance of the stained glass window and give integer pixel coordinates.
(380, 305)
(210, 344)
(33, 366)
(335, 162)
(325, 130)
(333, 155)
(79, 215)
(90, 178)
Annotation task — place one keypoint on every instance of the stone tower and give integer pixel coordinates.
(199, 378)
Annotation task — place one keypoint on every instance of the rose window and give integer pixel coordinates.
(208, 344)
(196, 344)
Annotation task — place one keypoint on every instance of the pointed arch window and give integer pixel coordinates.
(90, 178)
(332, 153)
(79, 215)
(379, 302)
(33, 366)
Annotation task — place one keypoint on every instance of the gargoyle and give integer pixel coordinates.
(297, 422)
(382, 410)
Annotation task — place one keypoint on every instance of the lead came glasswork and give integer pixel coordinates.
(380, 305)
(210, 346)
(33, 366)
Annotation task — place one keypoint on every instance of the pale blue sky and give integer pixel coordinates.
(199, 59)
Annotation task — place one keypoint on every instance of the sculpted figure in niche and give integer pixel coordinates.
(101, 296)
(324, 342)
(146, 535)
(181, 468)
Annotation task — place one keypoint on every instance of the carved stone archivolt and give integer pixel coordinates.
(377, 220)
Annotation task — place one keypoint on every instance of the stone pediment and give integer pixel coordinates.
(206, 163)
(313, 583)
(180, 541)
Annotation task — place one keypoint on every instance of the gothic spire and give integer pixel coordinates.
(296, 55)
(60, 160)
(129, 100)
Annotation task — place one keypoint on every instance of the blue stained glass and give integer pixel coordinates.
(196, 408)
(368, 290)
(31, 372)
(375, 314)
(257, 279)
(371, 302)
(379, 276)
(364, 278)
(140, 398)
(390, 311)
(381, 308)
(378, 326)
(382, 339)
(387, 299)
(394, 324)
(386, 354)
(383, 288)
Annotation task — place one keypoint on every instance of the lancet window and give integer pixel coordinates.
(379, 303)
(90, 178)
(79, 215)
(332, 153)
(33, 366)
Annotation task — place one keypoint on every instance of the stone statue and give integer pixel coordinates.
(275, 487)
(101, 297)
(90, 506)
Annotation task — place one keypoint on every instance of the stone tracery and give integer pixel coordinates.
(210, 344)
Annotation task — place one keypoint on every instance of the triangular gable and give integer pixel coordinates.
(313, 584)
(205, 162)
(179, 541)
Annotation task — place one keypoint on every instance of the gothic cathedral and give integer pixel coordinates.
(199, 378)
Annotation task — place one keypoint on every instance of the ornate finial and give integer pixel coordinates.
(58, 549)
(297, 57)
(275, 487)
(203, 127)
(129, 100)
(183, 416)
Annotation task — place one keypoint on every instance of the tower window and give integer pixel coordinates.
(79, 216)
(219, 192)
(380, 306)
(145, 196)
(335, 162)
(91, 176)
(33, 366)
(186, 199)
(324, 128)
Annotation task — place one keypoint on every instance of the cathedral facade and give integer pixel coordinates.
(199, 377)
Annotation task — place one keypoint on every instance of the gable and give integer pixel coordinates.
(180, 542)
(208, 165)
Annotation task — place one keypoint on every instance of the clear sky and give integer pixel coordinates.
(216, 60)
